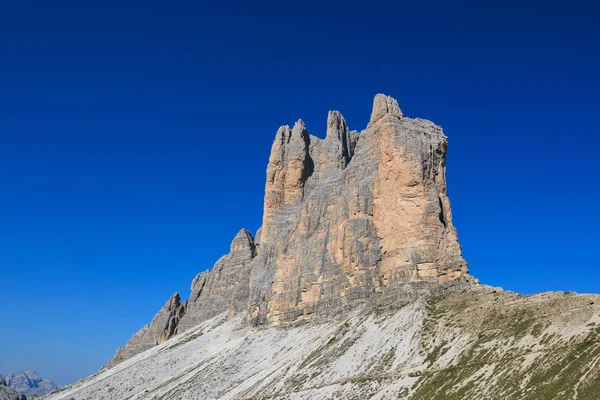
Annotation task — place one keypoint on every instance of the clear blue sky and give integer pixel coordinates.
(134, 138)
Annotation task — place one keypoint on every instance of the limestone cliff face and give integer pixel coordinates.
(354, 217)
(364, 215)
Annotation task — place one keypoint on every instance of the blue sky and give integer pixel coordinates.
(134, 138)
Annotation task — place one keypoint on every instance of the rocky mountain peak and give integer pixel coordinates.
(384, 106)
(162, 327)
(348, 219)
(243, 245)
(338, 146)
(288, 169)
(299, 132)
(174, 302)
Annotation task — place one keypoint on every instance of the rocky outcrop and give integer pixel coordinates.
(226, 287)
(351, 218)
(288, 169)
(370, 219)
(384, 106)
(163, 327)
(25, 383)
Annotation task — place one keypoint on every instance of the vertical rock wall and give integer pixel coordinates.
(351, 217)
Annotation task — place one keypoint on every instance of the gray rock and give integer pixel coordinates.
(371, 220)
(338, 147)
(225, 288)
(163, 327)
(348, 219)
(384, 106)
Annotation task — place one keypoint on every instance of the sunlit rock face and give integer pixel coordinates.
(351, 218)
(354, 216)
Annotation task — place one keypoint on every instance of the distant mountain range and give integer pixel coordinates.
(28, 383)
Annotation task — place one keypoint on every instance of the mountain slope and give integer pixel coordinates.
(473, 344)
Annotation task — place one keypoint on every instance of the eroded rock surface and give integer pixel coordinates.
(351, 218)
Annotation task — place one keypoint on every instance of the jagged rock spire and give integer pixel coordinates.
(173, 303)
(337, 132)
(175, 310)
(225, 287)
(242, 245)
(287, 171)
(162, 328)
(299, 133)
(384, 106)
(338, 147)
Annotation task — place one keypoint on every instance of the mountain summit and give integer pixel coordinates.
(353, 288)
(350, 218)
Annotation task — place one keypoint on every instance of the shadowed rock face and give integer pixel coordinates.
(350, 218)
